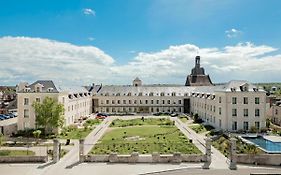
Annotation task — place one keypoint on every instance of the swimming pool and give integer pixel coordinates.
(266, 145)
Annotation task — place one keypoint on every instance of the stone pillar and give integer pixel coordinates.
(207, 154)
(134, 157)
(232, 155)
(155, 157)
(56, 152)
(81, 150)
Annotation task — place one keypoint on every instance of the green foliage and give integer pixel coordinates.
(223, 145)
(91, 122)
(253, 129)
(199, 128)
(49, 114)
(73, 132)
(140, 122)
(36, 133)
(146, 139)
(16, 153)
(1, 139)
(267, 123)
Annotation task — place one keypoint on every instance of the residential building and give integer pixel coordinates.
(77, 102)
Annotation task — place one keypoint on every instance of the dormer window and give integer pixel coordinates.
(151, 94)
(173, 94)
(233, 89)
(27, 90)
(244, 87)
(118, 94)
(50, 89)
(129, 94)
(162, 94)
(140, 94)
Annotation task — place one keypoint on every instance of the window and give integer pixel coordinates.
(234, 126)
(257, 125)
(124, 101)
(234, 100)
(157, 101)
(219, 110)
(135, 102)
(113, 102)
(214, 119)
(107, 101)
(179, 101)
(140, 94)
(246, 112)
(130, 102)
(214, 108)
(245, 100)
(257, 100)
(150, 94)
(38, 100)
(276, 111)
(246, 126)
(140, 102)
(25, 113)
(26, 125)
(152, 102)
(234, 112)
(37, 89)
(220, 123)
(146, 101)
(163, 101)
(118, 101)
(169, 102)
(26, 101)
(173, 94)
(162, 94)
(219, 99)
(257, 112)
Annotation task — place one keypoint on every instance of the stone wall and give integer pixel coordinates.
(259, 159)
(23, 159)
(154, 158)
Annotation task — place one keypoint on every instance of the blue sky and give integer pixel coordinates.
(123, 29)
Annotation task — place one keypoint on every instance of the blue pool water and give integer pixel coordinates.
(267, 145)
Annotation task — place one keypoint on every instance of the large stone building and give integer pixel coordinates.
(237, 105)
(77, 102)
(234, 106)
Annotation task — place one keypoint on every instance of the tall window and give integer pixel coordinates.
(118, 101)
(146, 101)
(163, 101)
(257, 100)
(113, 102)
(162, 94)
(245, 100)
(179, 101)
(26, 101)
(257, 112)
(124, 101)
(152, 102)
(234, 100)
(25, 113)
(220, 123)
(246, 126)
(219, 99)
(234, 126)
(246, 112)
(234, 112)
(169, 101)
(107, 101)
(219, 110)
(257, 125)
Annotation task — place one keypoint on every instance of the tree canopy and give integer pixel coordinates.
(49, 114)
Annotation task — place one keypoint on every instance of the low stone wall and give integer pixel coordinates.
(23, 159)
(259, 159)
(154, 158)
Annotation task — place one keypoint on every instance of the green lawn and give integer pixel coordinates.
(184, 119)
(223, 145)
(145, 140)
(140, 122)
(16, 153)
(199, 128)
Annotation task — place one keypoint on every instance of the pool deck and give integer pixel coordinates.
(273, 138)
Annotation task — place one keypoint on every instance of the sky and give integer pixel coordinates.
(79, 42)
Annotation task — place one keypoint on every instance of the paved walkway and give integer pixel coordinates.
(219, 161)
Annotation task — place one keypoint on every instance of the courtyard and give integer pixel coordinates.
(146, 135)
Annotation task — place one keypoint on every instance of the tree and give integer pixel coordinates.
(267, 123)
(49, 114)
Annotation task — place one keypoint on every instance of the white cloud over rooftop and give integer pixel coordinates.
(29, 59)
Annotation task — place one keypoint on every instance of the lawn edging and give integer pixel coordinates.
(23, 159)
(135, 157)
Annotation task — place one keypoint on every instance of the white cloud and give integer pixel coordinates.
(29, 59)
(88, 11)
(233, 33)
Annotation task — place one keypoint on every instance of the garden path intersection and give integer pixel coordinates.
(69, 164)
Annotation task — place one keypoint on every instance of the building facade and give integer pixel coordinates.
(77, 102)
